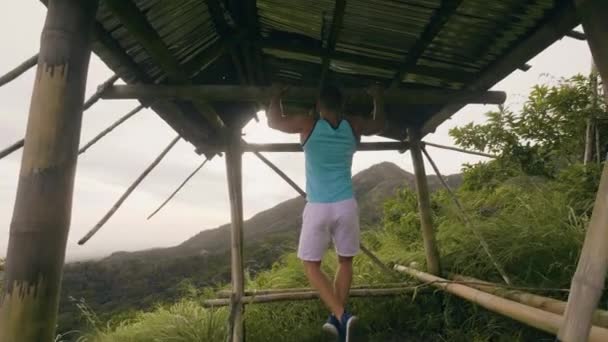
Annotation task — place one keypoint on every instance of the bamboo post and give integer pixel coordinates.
(234, 156)
(307, 295)
(476, 153)
(466, 218)
(42, 211)
(128, 192)
(539, 319)
(424, 204)
(103, 133)
(588, 281)
(178, 188)
(19, 70)
(600, 317)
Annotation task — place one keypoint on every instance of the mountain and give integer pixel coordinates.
(136, 280)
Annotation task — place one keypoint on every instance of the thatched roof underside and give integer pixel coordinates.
(457, 45)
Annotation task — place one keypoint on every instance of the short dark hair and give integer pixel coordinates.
(331, 98)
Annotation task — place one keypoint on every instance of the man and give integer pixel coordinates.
(331, 211)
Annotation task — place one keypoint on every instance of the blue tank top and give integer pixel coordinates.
(329, 153)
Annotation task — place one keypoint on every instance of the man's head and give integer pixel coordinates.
(330, 101)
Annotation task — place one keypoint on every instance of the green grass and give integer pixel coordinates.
(534, 229)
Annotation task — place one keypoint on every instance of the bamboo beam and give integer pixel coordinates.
(19, 70)
(400, 146)
(589, 279)
(558, 307)
(562, 20)
(41, 218)
(258, 292)
(304, 48)
(280, 173)
(467, 220)
(336, 26)
(301, 94)
(460, 150)
(198, 168)
(128, 192)
(424, 204)
(87, 104)
(308, 295)
(441, 16)
(137, 24)
(235, 191)
(14, 147)
(106, 131)
(539, 319)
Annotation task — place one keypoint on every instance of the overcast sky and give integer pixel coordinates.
(110, 166)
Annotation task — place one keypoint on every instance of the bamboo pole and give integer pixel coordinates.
(307, 295)
(128, 192)
(482, 154)
(588, 281)
(424, 204)
(89, 102)
(558, 307)
(259, 292)
(590, 129)
(400, 146)
(235, 190)
(466, 218)
(41, 218)
(178, 188)
(105, 132)
(537, 318)
(19, 70)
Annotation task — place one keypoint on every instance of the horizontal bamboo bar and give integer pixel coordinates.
(295, 147)
(600, 317)
(297, 94)
(19, 70)
(482, 154)
(537, 318)
(227, 293)
(309, 295)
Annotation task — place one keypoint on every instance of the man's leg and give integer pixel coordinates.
(321, 283)
(344, 278)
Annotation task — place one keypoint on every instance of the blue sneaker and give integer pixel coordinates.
(346, 325)
(332, 326)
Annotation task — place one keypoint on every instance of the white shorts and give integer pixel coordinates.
(324, 222)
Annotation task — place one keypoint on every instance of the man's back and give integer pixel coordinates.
(329, 154)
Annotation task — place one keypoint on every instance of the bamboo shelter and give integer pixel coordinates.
(206, 66)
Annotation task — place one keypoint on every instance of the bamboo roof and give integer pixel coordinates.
(404, 44)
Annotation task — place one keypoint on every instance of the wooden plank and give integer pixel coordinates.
(235, 190)
(41, 218)
(19, 70)
(301, 94)
(441, 16)
(336, 26)
(258, 292)
(294, 147)
(128, 192)
(539, 319)
(424, 205)
(588, 282)
(563, 21)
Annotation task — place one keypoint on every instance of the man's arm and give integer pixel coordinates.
(287, 124)
(376, 124)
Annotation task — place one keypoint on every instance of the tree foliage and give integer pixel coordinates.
(547, 134)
